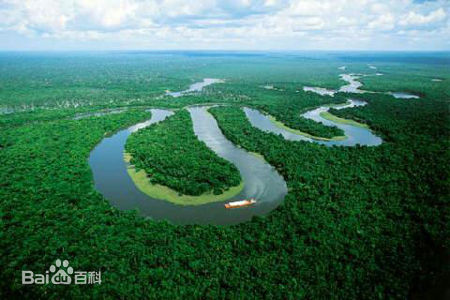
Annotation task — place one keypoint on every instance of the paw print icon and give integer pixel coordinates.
(62, 276)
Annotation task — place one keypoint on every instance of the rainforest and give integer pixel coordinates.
(123, 162)
(173, 156)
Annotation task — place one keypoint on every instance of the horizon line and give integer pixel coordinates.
(221, 50)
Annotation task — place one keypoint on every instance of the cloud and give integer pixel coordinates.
(383, 22)
(346, 21)
(39, 15)
(224, 24)
(413, 18)
(106, 13)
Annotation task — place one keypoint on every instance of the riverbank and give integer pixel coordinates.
(162, 192)
(330, 117)
(305, 134)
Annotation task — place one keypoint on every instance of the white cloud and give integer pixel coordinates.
(379, 8)
(309, 8)
(345, 21)
(413, 18)
(383, 22)
(40, 15)
(329, 24)
(107, 13)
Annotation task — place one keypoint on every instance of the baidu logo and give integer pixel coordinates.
(61, 273)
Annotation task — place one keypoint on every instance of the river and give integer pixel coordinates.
(261, 181)
(353, 86)
(354, 134)
(195, 87)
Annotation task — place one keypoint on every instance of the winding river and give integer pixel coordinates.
(353, 86)
(195, 87)
(261, 180)
(354, 134)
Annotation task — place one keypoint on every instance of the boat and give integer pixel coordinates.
(240, 203)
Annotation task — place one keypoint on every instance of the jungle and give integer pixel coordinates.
(351, 222)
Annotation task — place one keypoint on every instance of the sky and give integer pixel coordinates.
(224, 25)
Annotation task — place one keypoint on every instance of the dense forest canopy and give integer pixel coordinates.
(358, 222)
(171, 155)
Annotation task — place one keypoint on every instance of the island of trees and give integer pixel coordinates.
(171, 155)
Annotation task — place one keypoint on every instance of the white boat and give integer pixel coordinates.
(240, 203)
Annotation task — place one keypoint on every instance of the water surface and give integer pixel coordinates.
(98, 113)
(6, 110)
(195, 87)
(261, 180)
(355, 135)
(403, 95)
(353, 85)
(319, 90)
